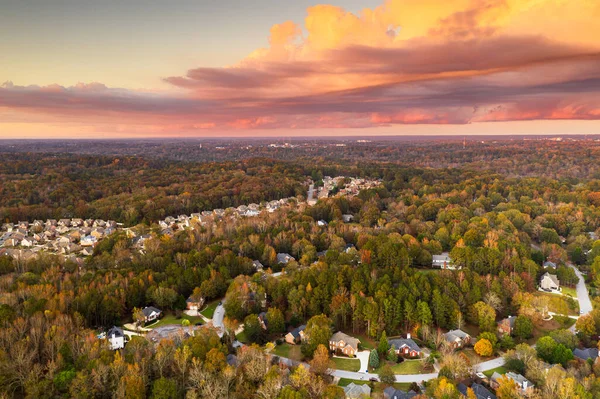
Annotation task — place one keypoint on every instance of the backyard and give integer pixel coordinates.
(170, 318)
(499, 370)
(289, 351)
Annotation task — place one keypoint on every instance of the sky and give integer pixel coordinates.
(145, 68)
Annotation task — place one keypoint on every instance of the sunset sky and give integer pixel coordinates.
(145, 68)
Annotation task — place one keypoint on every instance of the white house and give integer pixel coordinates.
(442, 261)
(116, 338)
(151, 313)
(549, 282)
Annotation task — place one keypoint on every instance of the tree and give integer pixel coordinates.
(321, 364)
(164, 388)
(386, 375)
(424, 313)
(392, 356)
(485, 316)
(138, 317)
(253, 329)
(586, 325)
(561, 355)
(523, 328)
(545, 348)
(374, 359)
(484, 348)
(318, 332)
(507, 389)
(383, 346)
(276, 322)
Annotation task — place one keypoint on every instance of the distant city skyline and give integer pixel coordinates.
(86, 69)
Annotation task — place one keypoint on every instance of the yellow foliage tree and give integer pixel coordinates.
(484, 348)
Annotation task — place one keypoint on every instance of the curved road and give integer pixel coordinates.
(585, 305)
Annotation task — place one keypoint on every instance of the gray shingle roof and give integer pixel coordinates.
(479, 390)
(340, 336)
(353, 390)
(586, 353)
(398, 343)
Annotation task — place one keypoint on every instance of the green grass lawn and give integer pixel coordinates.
(499, 370)
(209, 309)
(242, 337)
(406, 367)
(170, 318)
(564, 321)
(569, 291)
(346, 364)
(289, 351)
(365, 342)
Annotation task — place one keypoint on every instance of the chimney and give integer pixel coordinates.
(407, 335)
(524, 385)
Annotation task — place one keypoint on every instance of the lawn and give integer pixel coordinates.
(365, 342)
(406, 367)
(242, 337)
(346, 364)
(474, 358)
(209, 310)
(499, 370)
(289, 351)
(569, 291)
(170, 318)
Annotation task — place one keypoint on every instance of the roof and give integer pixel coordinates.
(586, 353)
(456, 335)
(518, 378)
(550, 264)
(340, 336)
(232, 360)
(296, 331)
(284, 258)
(353, 390)
(116, 331)
(149, 310)
(511, 320)
(445, 257)
(552, 277)
(393, 393)
(479, 390)
(401, 342)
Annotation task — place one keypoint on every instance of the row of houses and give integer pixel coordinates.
(61, 237)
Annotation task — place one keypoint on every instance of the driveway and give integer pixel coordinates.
(489, 365)
(585, 304)
(363, 356)
(217, 319)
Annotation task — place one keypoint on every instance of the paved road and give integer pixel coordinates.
(490, 364)
(217, 319)
(585, 304)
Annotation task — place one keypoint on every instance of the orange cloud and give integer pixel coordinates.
(404, 62)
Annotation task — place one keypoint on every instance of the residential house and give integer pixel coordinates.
(506, 326)
(346, 218)
(480, 391)
(87, 251)
(393, 393)
(341, 343)
(257, 265)
(296, 336)
(284, 258)
(232, 360)
(27, 242)
(194, 303)
(262, 319)
(523, 384)
(357, 391)
(88, 241)
(405, 346)
(549, 282)
(586, 353)
(550, 264)
(457, 338)
(64, 222)
(442, 261)
(322, 223)
(151, 313)
(116, 338)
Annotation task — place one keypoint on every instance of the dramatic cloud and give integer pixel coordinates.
(405, 62)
